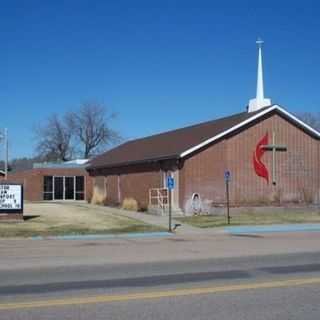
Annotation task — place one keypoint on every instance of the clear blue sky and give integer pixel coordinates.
(159, 64)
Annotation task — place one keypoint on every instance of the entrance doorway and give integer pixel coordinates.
(69, 188)
(64, 188)
(58, 188)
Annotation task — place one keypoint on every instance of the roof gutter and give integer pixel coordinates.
(129, 163)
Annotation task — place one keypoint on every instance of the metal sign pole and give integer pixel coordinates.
(227, 177)
(228, 201)
(170, 210)
(6, 154)
(170, 186)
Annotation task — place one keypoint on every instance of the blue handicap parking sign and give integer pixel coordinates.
(170, 183)
(227, 176)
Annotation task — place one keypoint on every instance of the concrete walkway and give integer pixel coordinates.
(161, 221)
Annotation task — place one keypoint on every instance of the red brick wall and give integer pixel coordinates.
(32, 180)
(112, 190)
(134, 182)
(132, 185)
(137, 186)
(297, 169)
(11, 216)
(203, 174)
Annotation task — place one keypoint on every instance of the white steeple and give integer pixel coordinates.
(260, 101)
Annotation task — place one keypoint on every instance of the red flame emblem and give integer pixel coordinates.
(259, 166)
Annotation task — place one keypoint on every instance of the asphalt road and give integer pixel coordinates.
(270, 286)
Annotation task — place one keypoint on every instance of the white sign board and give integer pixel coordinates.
(11, 197)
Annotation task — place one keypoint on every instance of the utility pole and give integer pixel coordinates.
(6, 154)
(4, 142)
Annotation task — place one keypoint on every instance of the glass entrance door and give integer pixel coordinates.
(69, 188)
(58, 188)
(64, 188)
(80, 190)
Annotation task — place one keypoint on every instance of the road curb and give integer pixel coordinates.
(105, 236)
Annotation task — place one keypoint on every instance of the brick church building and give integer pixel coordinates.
(273, 158)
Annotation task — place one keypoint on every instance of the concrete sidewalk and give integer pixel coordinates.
(273, 228)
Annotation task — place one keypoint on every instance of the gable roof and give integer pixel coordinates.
(179, 143)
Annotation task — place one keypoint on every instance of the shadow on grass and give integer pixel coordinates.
(246, 235)
(30, 217)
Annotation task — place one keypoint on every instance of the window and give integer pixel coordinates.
(80, 188)
(64, 188)
(47, 188)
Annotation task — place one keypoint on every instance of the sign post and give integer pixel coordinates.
(4, 138)
(11, 198)
(170, 186)
(227, 177)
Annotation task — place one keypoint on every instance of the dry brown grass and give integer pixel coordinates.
(130, 204)
(98, 197)
(251, 218)
(44, 219)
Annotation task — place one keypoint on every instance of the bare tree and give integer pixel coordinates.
(54, 140)
(90, 126)
(312, 119)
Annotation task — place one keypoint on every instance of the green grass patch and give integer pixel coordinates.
(212, 221)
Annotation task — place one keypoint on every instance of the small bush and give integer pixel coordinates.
(130, 204)
(98, 197)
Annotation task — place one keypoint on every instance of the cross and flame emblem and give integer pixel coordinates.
(259, 167)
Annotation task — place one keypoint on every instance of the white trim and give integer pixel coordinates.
(119, 189)
(303, 124)
(53, 188)
(74, 187)
(243, 123)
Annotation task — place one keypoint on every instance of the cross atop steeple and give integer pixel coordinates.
(260, 101)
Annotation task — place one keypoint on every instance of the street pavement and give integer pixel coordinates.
(270, 276)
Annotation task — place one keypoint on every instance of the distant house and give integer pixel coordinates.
(50, 181)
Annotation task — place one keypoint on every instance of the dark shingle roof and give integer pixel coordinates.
(167, 145)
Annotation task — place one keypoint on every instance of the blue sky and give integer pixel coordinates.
(159, 64)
